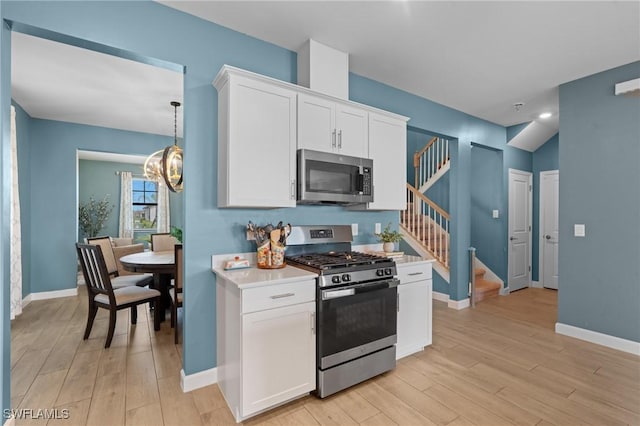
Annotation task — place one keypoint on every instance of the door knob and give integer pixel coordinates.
(512, 238)
(548, 237)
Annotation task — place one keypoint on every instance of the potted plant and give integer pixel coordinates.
(389, 237)
(93, 215)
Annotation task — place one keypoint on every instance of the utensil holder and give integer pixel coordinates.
(270, 256)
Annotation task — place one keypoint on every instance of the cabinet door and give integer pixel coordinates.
(353, 131)
(388, 148)
(278, 356)
(414, 308)
(261, 146)
(316, 123)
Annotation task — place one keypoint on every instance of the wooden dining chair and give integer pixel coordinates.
(117, 280)
(163, 242)
(102, 294)
(176, 293)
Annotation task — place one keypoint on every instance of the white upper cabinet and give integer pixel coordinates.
(256, 142)
(388, 150)
(332, 126)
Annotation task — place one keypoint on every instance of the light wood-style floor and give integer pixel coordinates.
(498, 364)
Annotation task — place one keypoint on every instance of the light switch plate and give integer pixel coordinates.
(354, 229)
(579, 230)
(495, 214)
(378, 228)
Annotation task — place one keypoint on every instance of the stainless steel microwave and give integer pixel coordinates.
(329, 178)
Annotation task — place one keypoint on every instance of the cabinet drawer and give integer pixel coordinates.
(410, 273)
(275, 296)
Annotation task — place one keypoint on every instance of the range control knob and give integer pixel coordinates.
(346, 278)
(387, 271)
(380, 272)
(335, 279)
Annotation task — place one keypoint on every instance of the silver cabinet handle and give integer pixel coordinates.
(398, 301)
(281, 296)
(340, 139)
(313, 322)
(333, 138)
(293, 189)
(415, 273)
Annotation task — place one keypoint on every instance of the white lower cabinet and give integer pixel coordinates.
(266, 344)
(414, 308)
(278, 356)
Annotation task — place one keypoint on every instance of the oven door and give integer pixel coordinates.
(356, 320)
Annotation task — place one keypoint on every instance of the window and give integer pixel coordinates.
(145, 204)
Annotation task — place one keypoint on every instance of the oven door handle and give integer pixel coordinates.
(359, 289)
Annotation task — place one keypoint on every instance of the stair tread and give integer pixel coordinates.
(486, 285)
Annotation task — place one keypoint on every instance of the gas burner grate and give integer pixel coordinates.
(332, 260)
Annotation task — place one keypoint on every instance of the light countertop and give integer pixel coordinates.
(255, 277)
(408, 259)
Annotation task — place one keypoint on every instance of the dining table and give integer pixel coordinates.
(162, 265)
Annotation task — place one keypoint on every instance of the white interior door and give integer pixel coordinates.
(519, 229)
(549, 198)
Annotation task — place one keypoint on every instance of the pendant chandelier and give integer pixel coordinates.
(166, 164)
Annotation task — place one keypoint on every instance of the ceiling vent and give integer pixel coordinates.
(323, 69)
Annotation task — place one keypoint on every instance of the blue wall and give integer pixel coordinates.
(54, 148)
(599, 152)
(23, 135)
(544, 158)
(486, 236)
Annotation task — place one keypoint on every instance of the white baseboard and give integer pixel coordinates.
(599, 338)
(536, 284)
(453, 304)
(198, 380)
(43, 295)
(505, 291)
(459, 304)
(440, 296)
(26, 300)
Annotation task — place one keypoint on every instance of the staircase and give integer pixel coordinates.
(426, 224)
(423, 220)
(485, 288)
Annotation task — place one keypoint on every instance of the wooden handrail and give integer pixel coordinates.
(416, 156)
(428, 201)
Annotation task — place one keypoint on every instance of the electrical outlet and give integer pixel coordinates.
(495, 214)
(354, 229)
(378, 228)
(579, 230)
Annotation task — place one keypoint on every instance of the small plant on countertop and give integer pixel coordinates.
(177, 233)
(389, 236)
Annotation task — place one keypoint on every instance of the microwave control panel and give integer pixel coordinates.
(366, 180)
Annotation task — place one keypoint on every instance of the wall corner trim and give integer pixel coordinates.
(198, 380)
(505, 291)
(599, 338)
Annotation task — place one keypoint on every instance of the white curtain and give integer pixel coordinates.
(16, 237)
(163, 217)
(126, 206)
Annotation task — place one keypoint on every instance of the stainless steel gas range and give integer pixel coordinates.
(356, 312)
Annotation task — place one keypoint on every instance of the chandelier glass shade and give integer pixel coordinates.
(166, 165)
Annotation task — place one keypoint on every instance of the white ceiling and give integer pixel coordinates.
(56, 81)
(477, 57)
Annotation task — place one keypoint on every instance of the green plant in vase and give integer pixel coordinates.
(389, 237)
(93, 215)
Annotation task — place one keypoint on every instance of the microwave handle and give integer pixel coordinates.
(360, 182)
